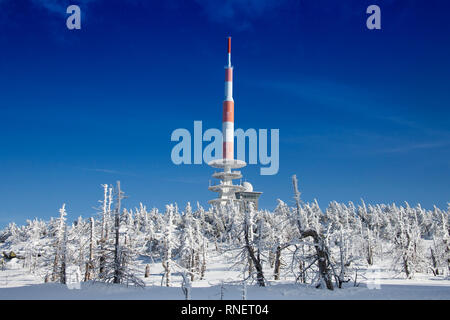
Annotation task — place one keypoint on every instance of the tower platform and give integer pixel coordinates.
(227, 163)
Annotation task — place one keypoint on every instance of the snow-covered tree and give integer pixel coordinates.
(118, 263)
(168, 244)
(322, 255)
(299, 242)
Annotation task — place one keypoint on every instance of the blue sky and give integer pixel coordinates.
(361, 113)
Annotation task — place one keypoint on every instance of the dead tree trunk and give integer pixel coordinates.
(203, 268)
(406, 266)
(250, 266)
(192, 265)
(90, 264)
(55, 267)
(166, 266)
(435, 268)
(322, 257)
(369, 248)
(254, 259)
(62, 275)
(107, 200)
(271, 258)
(116, 249)
(319, 243)
(117, 263)
(277, 268)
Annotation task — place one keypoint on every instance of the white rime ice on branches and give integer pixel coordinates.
(168, 244)
(297, 240)
(59, 247)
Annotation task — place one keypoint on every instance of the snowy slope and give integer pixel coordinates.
(17, 283)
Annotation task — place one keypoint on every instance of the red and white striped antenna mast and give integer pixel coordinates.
(226, 188)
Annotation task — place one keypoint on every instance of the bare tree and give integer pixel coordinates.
(90, 263)
(59, 261)
(253, 255)
(106, 212)
(117, 264)
(168, 245)
(118, 268)
(322, 257)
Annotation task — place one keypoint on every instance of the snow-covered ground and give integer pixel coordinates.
(21, 286)
(19, 283)
(274, 292)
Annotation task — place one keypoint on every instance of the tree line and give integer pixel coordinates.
(300, 241)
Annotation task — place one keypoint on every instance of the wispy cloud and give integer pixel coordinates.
(324, 92)
(109, 171)
(105, 171)
(417, 146)
(365, 104)
(346, 97)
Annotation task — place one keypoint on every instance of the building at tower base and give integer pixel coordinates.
(248, 196)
